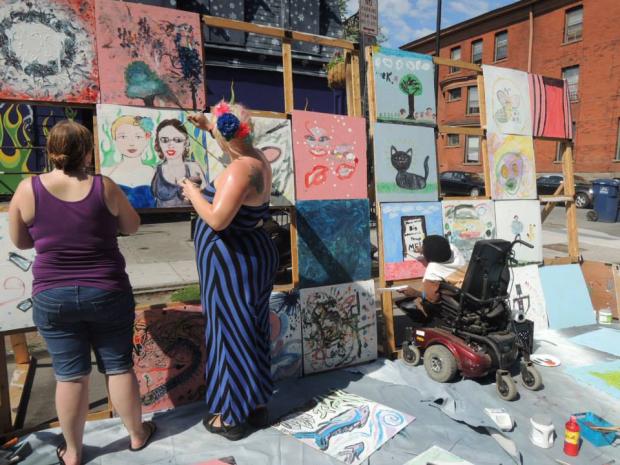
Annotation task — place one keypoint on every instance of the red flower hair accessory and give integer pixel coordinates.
(243, 131)
(220, 109)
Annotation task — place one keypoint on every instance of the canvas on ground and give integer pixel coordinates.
(507, 94)
(47, 51)
(169, 356)
(513, 166)
(527, 297)
(405, 163)
(148, 151)
(285, 323)
(149, 56)
(437, 456)
(404, 86)
(273, 137)
(339, 325)
(551, 112)
(603, 376)
(333, 241)
(600, 281)
(344, 426)
(15, 282)
(521, 218)
(465, 222)
(405, 225)
(330, 156)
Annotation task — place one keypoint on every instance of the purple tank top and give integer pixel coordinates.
(75, 242)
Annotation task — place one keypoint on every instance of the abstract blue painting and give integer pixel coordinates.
(285, 323)
(333, 241)
(405, 225)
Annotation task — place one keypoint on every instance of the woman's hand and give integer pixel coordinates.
(199, 120)
(190, 190)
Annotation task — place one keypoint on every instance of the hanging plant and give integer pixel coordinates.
(336, 71)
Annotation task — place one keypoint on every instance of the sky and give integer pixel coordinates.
(405, 20)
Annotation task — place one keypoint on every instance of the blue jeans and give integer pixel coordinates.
(74, 319)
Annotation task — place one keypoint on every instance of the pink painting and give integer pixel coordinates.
(169, 356)
(222, 461)
(330, 156)
(149, 56)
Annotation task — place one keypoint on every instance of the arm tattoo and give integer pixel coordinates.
(256, 180)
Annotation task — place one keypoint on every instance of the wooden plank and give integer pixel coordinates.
(355, 73)
(546, 211)
(387, 304)
(294, 251)
(283, 287)
(323, 40)
(372, 119)
(484, 149)
(97, 154)
(466, 197)
(571, 208)
(457, 64)
(268, 114)
(20, 348)
(558, 261)
(20, 388)
(6, 423)
(482, 102)
(615, 269)
(554, 199)
(287, 69)
(349, 83)
(466, 130)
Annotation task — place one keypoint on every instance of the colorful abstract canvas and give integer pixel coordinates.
(507, 94)
(404, 86)
(148, 151)
(604, 376)
(521, 218)
(339, 325)
(512, 166)
(273, 137)
(527, 297)
(465, 222)
(285, 322)
(149, 56)
(47, 51)
(405, 163)
(437, 456)
(566, 296)
(344, 426)
(405, 225)
(15, 282)
(333, 241)
(330, 156)
(169, 356)
(551, 112)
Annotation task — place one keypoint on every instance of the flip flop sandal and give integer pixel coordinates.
(60, 450)
(152, 427)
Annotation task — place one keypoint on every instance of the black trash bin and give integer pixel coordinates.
(606, 200)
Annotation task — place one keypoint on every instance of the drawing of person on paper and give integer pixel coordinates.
(131, 136)
(172, 147)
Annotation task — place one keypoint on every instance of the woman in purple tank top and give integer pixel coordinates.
(81, 293)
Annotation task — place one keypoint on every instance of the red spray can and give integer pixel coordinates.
(571, 437)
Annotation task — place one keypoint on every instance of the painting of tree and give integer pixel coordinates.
(412, 87)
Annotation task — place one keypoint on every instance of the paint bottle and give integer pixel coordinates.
(571, 437)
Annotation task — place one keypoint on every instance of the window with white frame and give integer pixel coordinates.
(501, 45)
(573, 27)
(476, 52)
(472, 149)
(454, 94)
(473, 104)
(455, 54)
(571, 74)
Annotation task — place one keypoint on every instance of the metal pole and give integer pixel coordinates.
(437, 33)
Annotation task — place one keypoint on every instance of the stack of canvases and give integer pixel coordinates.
(405, 158)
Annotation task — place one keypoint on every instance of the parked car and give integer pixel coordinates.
(461, 183)
(547, 185)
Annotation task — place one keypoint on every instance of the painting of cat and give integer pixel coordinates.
(401, 161)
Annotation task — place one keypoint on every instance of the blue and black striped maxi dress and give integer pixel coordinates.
(236, 268)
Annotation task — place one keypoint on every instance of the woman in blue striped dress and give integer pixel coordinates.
(237, 262)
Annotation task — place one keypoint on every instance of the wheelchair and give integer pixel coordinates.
(472, 329)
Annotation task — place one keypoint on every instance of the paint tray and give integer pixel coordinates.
(598, 438)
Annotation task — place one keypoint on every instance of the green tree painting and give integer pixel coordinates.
(411, 86)
(143, 83)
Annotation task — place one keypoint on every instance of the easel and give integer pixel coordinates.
(568, 188)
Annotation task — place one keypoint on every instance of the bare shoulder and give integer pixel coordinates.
(24, 189)
(108, 184)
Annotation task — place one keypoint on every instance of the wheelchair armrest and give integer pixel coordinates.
(449, 287)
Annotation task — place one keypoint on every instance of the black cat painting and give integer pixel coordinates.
(401, 161)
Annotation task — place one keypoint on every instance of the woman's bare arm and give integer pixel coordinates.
(21, 209)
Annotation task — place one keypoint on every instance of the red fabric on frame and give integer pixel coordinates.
(551, 116)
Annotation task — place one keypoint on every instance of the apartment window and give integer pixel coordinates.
(573, 24)
(454, 94)
(473, 106)
(476, 52)
(501, 45)
(571, 74)
(472, 149)
(618, 143)
(453, 140)
(455, 54)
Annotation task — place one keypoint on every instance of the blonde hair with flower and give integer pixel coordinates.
(232, 124)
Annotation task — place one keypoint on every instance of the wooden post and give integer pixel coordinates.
(20, 348)
(355, 73)
(548, 208)
(483, 140)
(294, 250)
(571, 208)
(97, 153)
(349, 84)
(287, 69)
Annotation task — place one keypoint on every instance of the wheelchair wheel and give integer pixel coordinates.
(531, 378)
(411, 354)
(440, 364)
(506, 387)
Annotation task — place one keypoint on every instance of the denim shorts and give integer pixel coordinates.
(72, 320)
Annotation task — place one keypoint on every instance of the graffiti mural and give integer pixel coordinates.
(169, 356)
(465, 222)
(339, 326)
(347, 427)
(513, 167)
(15, 281)
(330, 156)
(47, 51)
(149, 56)
(285, 323)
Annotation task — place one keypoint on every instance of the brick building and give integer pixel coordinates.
(577, 40)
